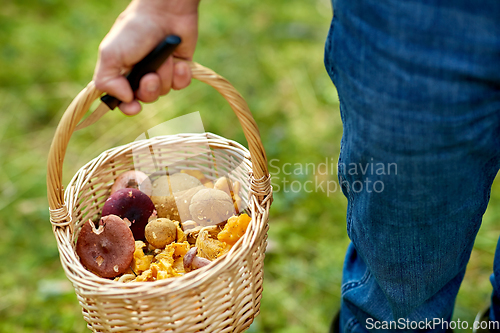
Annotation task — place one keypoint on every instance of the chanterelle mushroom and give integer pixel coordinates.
(209, 247)
(107, 250)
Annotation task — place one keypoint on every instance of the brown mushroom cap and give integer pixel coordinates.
(107, 250)
(183, 182)
(133, 179)
(210, 206)
(161, 187)
(172, 194)
(160, 232)
(167, 185)
(165, 207)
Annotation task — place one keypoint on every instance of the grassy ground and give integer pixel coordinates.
(272, 52)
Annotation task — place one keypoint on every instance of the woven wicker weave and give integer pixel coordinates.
(221, 297)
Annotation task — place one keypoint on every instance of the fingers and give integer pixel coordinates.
(165, 73)
(182, 75)
(149, 88)
(131, 108)
(169, 76)
(152, 85)
(141, 26)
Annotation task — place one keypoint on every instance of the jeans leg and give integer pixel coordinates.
(420, 101)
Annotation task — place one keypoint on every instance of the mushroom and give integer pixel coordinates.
(172, 195)
(160, 232)
(183, 201)
(133, 179)
(234, 229)
(236, 196)
(107, 250)
(210, 206)
(236, 187)
(125, 278)
(209, 246)
(132, 205)
(188, 225)
(232, 189)
(161, 187)
(196, 174)
(223, 184)
(182, 182)
(165, 207)
(192, 262)
(192, 234)
(167, 185)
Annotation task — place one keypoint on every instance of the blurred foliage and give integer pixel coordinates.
(272, 52)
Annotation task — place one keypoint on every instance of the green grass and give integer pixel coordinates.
(272, 51)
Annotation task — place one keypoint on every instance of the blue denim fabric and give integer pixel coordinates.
(419, 88)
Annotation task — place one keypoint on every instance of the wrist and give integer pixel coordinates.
(175, 7)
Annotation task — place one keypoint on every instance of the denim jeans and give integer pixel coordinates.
(419, 89)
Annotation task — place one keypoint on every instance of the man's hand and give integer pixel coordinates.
(134, 34)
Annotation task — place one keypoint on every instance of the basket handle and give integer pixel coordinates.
(82, 102)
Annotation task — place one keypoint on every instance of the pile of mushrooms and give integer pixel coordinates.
(184, 209)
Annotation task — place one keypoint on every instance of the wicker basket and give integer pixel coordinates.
(221, 297)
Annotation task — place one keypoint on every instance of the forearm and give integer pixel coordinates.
(176, 7)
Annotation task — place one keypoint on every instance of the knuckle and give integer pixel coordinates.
(106, 53)
(99, 83)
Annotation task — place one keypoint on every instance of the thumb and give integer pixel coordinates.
(108, 77)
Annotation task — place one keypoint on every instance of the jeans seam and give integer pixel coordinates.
(348, 286)
(350, 324)
(349, 217)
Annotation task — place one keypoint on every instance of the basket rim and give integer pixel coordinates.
(90, 283)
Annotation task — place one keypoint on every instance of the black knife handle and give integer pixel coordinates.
(149, 64)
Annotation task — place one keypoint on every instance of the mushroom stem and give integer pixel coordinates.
(199, 262)
(192, 262)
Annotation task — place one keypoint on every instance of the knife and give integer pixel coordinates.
(149, 64)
